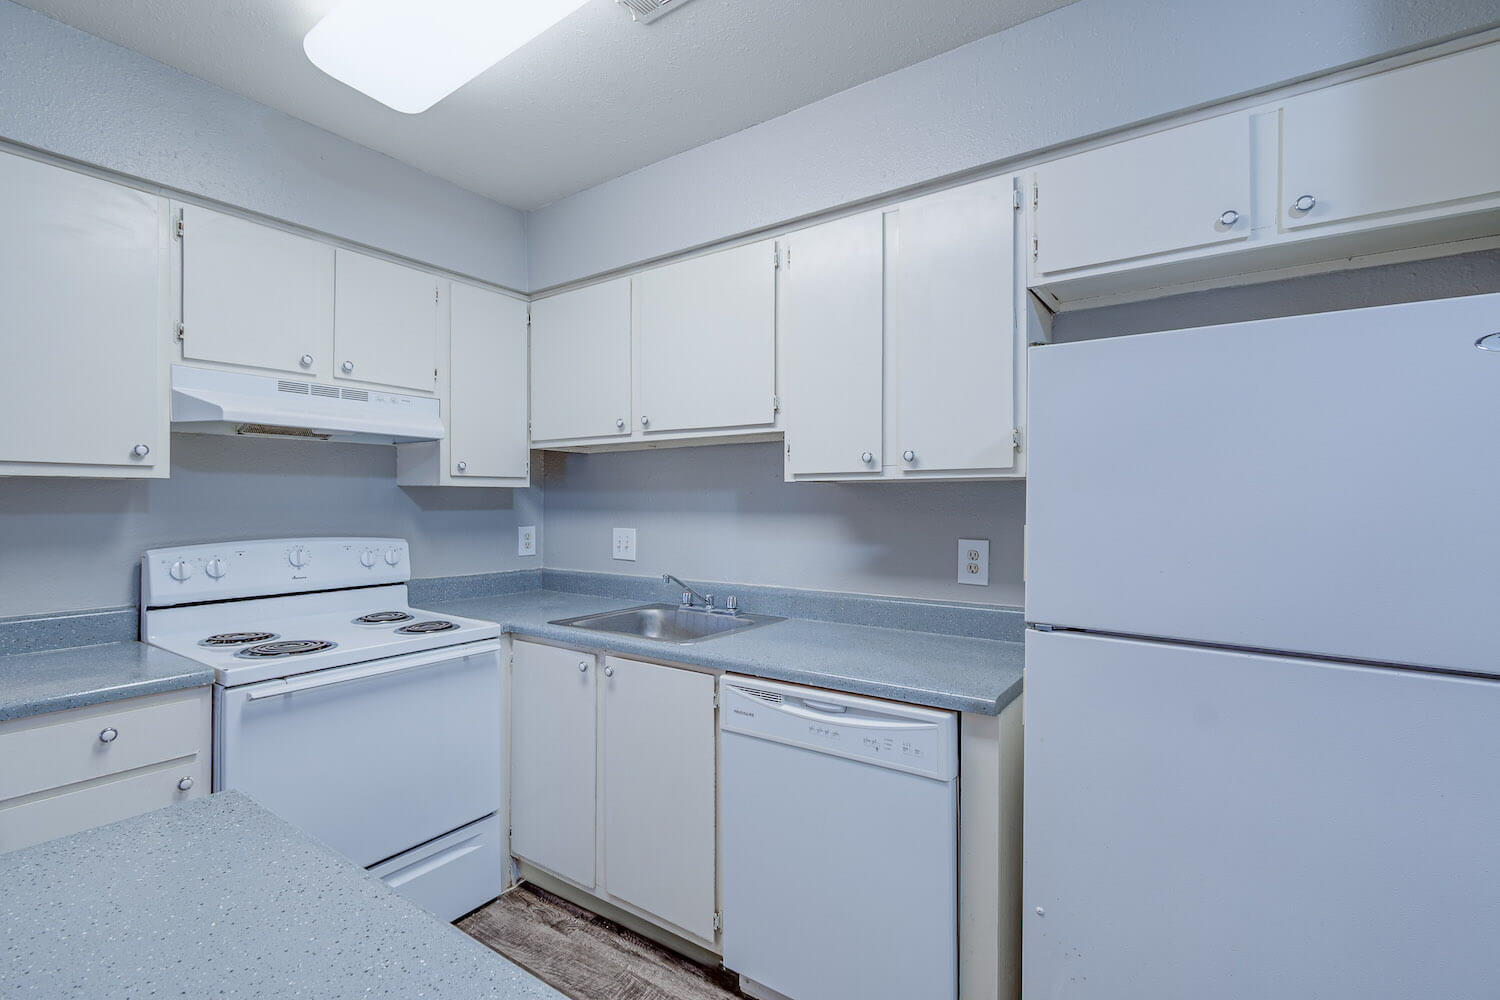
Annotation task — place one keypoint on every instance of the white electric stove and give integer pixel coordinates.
(373, 725)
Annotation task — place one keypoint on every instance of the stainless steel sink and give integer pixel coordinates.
(668, 623)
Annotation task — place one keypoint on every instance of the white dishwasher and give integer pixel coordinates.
(840, 844)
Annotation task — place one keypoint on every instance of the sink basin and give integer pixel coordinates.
(668, 623)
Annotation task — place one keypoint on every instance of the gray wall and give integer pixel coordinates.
(723, 513)
(69, 93)
(1088, 68)
(68, 544)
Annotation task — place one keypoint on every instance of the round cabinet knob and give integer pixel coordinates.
(305, 361)
(866, 457)
(108, 735)
(216, 568)
(1304, 204)
(609, 671)
(909, 456)
(297, 556)
(583, 666)
(1229, 218)
(620, 424)
(141, 450)
(462, 466)
(367, 558)
(392, 556)
(181, 570)
(347, 366)
(645, 421)
(184, 784)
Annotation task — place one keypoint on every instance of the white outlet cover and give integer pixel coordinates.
(526, 540)
(974, 561)
(624, 546)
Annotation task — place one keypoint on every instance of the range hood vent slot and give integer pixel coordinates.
(276, 430)
(298, 387)
(646, 11)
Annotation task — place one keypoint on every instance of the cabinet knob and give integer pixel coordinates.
(909, 456)
(185, 784)
(305, 361)
(108, 735)
(609, 671)
(645, 421)
(462, 466)
(1229, 218)
(347, 366)
(1304, 204)
(866, 457)
(583, 666)
(141, 450)
(620, 424)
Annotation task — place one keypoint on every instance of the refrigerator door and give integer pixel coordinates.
(1206, 823)
(1325, 484)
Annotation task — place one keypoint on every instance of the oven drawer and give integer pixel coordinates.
(451, 875)
(372, 759)
(80, 744)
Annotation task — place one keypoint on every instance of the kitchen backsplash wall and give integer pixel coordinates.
(69, 544)
(724, 513)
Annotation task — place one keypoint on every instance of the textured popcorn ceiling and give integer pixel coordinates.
(595, 97)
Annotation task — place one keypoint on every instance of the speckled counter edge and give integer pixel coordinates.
(36, 633)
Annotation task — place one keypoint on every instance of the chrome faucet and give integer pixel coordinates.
(688, 593)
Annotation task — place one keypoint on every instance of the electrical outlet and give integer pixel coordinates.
(624, 547)
(974, 561)
(526, 540)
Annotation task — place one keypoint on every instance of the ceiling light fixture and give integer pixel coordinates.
(410, 54)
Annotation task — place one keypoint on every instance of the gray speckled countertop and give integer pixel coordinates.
(55, 679)
(922, 668)
(218, 897)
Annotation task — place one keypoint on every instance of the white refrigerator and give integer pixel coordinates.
(1263, 660)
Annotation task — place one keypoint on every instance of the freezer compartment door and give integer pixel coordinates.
(1323, 484)
(1205, 823)
(372, 759)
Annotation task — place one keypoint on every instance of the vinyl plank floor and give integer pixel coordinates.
(588, 957)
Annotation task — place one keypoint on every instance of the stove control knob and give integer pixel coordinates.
(181, 570)
(297, 556)
(215, 568)
(367, 558)
(392, 556)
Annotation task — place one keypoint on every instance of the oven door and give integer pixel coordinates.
(371, 759)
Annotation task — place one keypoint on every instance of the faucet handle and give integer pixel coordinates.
(732, 604)
(708, 601)
(687, 598)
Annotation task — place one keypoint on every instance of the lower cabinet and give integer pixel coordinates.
(613, 775)
(68, 771)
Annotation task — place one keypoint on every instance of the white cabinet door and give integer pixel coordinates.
(580, 363)
(384, 323)
(1142, 197)
(658, 732)
(254, 296)
(83, 282)
(487, 385)
(952, 295)
(707, 334)
(832, 330)
(552, 771)
(1410, 138)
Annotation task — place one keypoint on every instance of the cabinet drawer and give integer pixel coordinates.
(62, 748)
(33, 820)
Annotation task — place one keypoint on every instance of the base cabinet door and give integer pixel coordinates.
(385, 323)
(552, 781)
(657, 726)
(487, 386)
(580, 363)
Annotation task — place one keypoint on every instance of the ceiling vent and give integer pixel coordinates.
(646, 11)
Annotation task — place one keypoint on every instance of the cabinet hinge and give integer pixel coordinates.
(718, 920)
(1034, 249)
(775, 404)
(180, 331)
(179, 225)
(1036, 195)
(1015, 438)
(436, 295)
(1015, 199)
(434, 374)
(716, 697)
(776, 256)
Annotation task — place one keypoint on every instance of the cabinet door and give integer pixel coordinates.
(580, 363)
(952, 345)
(1407, 139)
(254, 296)
(384, 323)
(658, 731)
(487, 385)
(83, 287)
(707, 334)
(552, 760)
(832, 326)
(1141, 197)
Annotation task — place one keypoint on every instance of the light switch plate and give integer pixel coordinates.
(526, 540)
(624, 547)
(974, 561)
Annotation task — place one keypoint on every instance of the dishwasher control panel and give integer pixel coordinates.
(908, 738)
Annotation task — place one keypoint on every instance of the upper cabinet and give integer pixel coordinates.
(85, 284)
(1406, 140)
(706, 338)
(1183, 189)
(580, 364)
(385, 323)
(253, 296)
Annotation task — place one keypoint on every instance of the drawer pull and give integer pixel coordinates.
(108, 735)
(185, 784)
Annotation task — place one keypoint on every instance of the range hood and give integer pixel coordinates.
(209, 401)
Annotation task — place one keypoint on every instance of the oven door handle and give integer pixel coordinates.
(411, 661)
